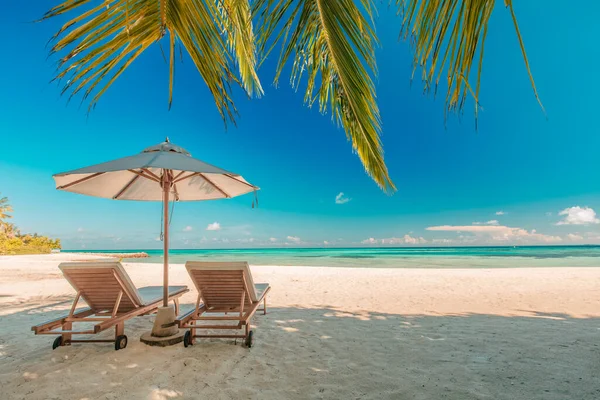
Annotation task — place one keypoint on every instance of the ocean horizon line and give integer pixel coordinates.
(333, 248)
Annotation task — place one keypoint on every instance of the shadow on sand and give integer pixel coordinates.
(318, 353)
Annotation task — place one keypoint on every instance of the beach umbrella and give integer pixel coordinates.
(159, 173)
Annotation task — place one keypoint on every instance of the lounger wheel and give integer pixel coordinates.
(249, 339)
(57, 342)
(120, 342)
(187, 339)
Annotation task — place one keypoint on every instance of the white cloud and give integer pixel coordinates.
(406, 239)
(592, 236)
(80, 229)
(188, 229)
(273, 240)
(294, 239)
(245, 240)
(325, 242)
(578, 216)
(500, 213)
(413, 240)
(341, 199)
(574, 237)
(490, 222)
(157, 239)
(215, 226)
(498, 233)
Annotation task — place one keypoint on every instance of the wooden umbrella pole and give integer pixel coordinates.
(166, 184)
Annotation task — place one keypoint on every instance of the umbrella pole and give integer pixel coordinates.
(166, 187)
(164, 332)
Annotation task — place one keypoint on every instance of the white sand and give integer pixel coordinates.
(331, 333)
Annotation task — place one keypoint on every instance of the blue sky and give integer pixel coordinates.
(505, 183)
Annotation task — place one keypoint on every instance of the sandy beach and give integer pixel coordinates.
(531, 333)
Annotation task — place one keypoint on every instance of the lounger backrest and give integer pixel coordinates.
(221, 283)
(100, 283)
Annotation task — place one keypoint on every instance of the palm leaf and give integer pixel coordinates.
(448, 37)
(107, 37)
(5, 208)
(332, 42)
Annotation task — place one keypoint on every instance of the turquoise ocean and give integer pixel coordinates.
(387, 257)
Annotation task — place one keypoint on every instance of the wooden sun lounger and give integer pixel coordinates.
(224, 288)
(112, 299)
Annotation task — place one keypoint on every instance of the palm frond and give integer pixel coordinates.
(448, 37)
(104, 39)
(332, 42)
(5, 208)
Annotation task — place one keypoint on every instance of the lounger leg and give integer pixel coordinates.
(247, 328)
(192, 335)
(119, 329)
(265, 306)
(66, 337)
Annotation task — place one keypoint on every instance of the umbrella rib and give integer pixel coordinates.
(144, 175)
(186, 177)
(87, 178)
(178, 175)
(237, 180)
(146, 170)
(214, 185)
(127, 186)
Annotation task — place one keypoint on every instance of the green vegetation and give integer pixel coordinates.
(329, 47)
(13, 242)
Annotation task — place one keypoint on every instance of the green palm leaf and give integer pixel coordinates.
(332, 42)
(104, 39)
(5, 209)
(448, 36)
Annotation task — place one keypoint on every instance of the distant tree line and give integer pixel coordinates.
(12, 241)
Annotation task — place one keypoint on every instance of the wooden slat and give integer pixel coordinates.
(228, 300)
(71, 332)
(90, 271)
(218, 271)
(225, 292)
(238, 326)
(236, 287)
(221, 336)
(93, 319)
(99, 288)
(138, 311)
(58, 321)
(218, 318)
(92, 341)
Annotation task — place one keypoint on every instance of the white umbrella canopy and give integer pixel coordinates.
(140, 177)
(159, 173)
